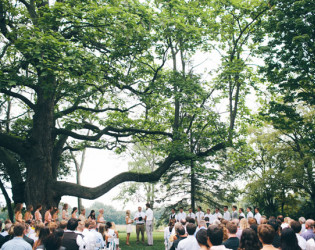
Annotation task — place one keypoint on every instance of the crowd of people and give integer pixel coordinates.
(71, 232)
(237, 231)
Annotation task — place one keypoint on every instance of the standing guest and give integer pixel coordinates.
(249, 213)
(167, 234)
(72, 240)
(91, 216)
(48, 216)
(243, 225)
(139, 218)
(129, 222)
(309, 233)
(55, 214)
(149, 224)
(202, 239)
(289, 240)
(18, 212)
(38, 215)
(190, 243)
(65, 213)
(266, 234)
(232, 242)
(302, 222)
(82, 215)
(249, 240)
(276, 227)
(234, 212)
(215, 237)
(74, 213)
(296, 227)
(257, 215)
(17, 242)
(181, 214)
(100, 217)
(43, 233)
(226, 214)
(199, 215)
(28, 214)
(241, 211)
(191, 214)
(217, 215)
(173, 214)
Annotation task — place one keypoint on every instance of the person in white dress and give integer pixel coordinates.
(129, 222)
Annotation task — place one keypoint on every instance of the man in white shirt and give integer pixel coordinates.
(139, 219)
(94, 240)
(209, 215)
(234, 212)
(241, 211)
(249, 213)
(190, 243)
(191, 214)
(217, 214)
(149, 224)
(257, 215)
(173, 214)
(296, 226)
(215, 237)
(199, 215)
(181, 215)
(226, 214)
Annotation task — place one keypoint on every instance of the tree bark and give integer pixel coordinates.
(8, 201)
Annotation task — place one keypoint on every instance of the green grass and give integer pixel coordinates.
(158, 241)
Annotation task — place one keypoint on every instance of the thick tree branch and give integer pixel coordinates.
(19, 96)
(14, 144)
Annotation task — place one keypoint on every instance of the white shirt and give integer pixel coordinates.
(216, 216)
(258, 217)
(301, 241)
(190, 243)
(310, 244)
(181, 216)
(191, 215)
(173, 216)
(250, 215)
(79, 240)
(227, 215)
(221, 247)
(200, 216)
(140, 214)
(284, 225)
(210, 217)
(243, 215)
(149, 214)
(93, 240)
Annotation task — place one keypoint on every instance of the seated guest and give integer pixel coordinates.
(276, 227)
(181, 236)
(233, 241)
(296, 226)
(71, 239)
(202, 240)
(289, 240)
(17, 242)
(266, 234)
(190, 243)
(215, 237)
(308, 233)
(243, 225)
(249, 240)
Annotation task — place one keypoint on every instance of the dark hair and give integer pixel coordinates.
(64, 207)
(72, 224)
(296, 226)
(190, 220)
(257, 208)
(108, 225)
(280, 217)
(73, 209)
(18, 207)
(231, 227)
(274, 224)
(254, 227)
(249, 240)
(207, 218)
(215, 234)
(18, 229)
(53, 241)
(249, 208)
(242, 209)
(199, 207)
(43, 233)
(201, 237)
(191, 228)
(181, 208)
(235, 207)
(266, 233)
(181, 230)
(148, 205)
(226, 207)
(289, 240)
(171, 225)
(92, 216)
(38, 206)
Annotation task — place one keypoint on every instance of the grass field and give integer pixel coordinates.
(158, 240)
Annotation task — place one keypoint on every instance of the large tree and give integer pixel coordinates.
(70, 62)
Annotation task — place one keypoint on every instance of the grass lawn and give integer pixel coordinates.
(158, 241)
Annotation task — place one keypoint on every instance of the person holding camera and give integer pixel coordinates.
(139, 219)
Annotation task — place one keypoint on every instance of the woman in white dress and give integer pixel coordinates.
(129, 222)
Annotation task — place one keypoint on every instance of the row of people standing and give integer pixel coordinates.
(200, 215)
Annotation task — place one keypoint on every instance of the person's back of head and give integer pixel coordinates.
(202, 238)
(18, 230)
(280, 217)
(63, 224)
(190, 220)
(215, 235)
(202, 223)
(191, 228)
(274, 224)
(296, 226)
(289, 240)
(266, 233)
(53, 240)
(72, 224)
(302, 220)
(108, 225)
(231, 227)
(93, 225)
(7, 226)
(249, 239)
(181, 230)
(87, 224)
(252, 221)
(183, 221)
(309, 224)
